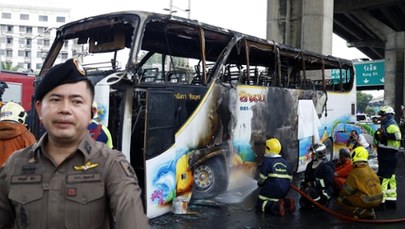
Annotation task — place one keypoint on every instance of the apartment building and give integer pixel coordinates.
(27, 33)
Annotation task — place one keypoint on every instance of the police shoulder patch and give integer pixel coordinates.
(127, 168)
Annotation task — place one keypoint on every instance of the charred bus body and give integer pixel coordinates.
(190, 104)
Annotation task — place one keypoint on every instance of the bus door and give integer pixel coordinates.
(158, 120)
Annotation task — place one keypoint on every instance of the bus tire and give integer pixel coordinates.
(210, 178)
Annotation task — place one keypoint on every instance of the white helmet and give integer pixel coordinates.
(386, 110)
(12, 111)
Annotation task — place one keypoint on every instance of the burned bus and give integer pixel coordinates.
(191, 104)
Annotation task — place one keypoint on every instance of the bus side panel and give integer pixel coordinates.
(262, 113)
(161, 183)
(169, 174)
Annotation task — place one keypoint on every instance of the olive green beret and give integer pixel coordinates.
(69, 72)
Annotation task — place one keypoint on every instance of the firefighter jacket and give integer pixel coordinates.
(321, 176)
(275, 177)
(343, 169)
(13, 136)
(389, 135)
(364, 185)
(91, 188)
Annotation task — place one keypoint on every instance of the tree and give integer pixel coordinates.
(362, 101)
(8, 66)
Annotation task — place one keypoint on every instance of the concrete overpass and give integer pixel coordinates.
(375, 27)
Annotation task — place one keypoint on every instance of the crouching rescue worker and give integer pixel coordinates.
(388, 139)
(318, 181)
(342, 169)
(67, 179)
(361, 192)
(274, 179)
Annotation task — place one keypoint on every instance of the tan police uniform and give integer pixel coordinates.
(85, 191)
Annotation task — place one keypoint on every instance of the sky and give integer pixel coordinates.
(241, 15)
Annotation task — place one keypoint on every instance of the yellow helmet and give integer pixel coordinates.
(273, 145)
(13, 112)
(359, 154)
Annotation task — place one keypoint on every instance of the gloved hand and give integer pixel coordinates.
(377, 135)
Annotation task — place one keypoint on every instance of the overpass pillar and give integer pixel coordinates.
(394, 71)
(304, 24)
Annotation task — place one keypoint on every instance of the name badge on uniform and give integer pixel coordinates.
(80, 178)
(30, 179)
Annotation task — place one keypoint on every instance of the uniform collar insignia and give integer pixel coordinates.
(86, 166)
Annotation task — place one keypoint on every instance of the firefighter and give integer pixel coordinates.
(361, 192)
(14, 135)
(388, 140)
(274, 179)
(318, 181)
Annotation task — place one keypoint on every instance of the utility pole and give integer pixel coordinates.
(173, 9)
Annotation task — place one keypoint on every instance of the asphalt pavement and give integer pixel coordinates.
(214, 214)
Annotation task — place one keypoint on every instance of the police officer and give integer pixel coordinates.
(67, 179)
(388, 139)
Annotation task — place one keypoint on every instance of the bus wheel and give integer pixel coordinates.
(329, 149)
(210, 178)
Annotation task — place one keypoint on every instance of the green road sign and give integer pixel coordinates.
(369, 73)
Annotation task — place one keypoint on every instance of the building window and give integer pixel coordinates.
(60, 19)
(47, 42)
(43, 18)
(6, 15)
(40, 41)
(41, 29)
(21, 53)
(10, 28)
(38, 66)
(28, 42)
(9, 53)
(64, 55)
(24, 17)
(27, 54)
(9, 40)
(29, 30)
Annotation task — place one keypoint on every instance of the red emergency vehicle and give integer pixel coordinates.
(20, 87)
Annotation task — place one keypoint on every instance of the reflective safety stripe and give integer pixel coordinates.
(391, 198)
(264, 206)
(280, 175)
(263, 176)
(348, 189)
(326, 194)
(267, 198)
(317, 199)
(321, 182)
(388, 147)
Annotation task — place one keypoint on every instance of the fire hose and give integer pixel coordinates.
(345, 217)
